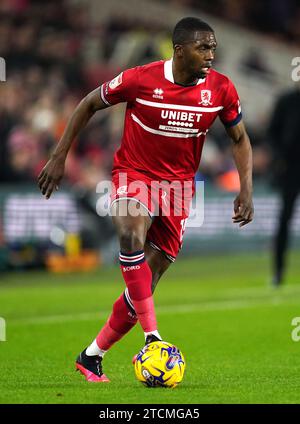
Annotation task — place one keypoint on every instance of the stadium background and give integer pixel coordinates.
(58, 51)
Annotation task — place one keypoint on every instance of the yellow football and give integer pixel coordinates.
(159, 364)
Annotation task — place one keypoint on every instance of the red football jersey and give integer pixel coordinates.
(166, 123)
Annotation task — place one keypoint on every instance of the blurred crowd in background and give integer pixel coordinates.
(277, 18)
(44, 53)
(55, 56)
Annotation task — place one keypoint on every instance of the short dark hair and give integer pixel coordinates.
(185, 28)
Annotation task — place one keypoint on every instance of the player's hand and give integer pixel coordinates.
(243, 209)
(51, 175)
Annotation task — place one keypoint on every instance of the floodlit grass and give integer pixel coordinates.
(234, 330)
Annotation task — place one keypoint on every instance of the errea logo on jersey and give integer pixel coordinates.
(122, 190)
(158, 93)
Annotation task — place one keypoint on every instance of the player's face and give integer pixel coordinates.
(198, 54)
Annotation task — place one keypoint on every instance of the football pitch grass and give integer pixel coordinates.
(233, 328)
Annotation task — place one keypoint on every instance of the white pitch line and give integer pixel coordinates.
(161, 310)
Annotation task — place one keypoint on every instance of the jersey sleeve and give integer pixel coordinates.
(123, 88)
(231, 113)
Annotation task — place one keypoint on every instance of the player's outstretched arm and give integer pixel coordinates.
(242, 153)
(52, 173)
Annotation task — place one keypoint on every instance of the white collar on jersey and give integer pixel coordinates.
(169, 72)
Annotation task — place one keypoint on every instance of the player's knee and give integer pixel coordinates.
(131, 241)
(153, 285)
(155, 279)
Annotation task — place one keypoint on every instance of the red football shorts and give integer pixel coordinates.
(167, 203)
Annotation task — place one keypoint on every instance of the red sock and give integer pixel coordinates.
(138, 278)
(118, 324)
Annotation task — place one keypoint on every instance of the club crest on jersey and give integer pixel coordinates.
(158, 93)
(116, 81)
(205, 98)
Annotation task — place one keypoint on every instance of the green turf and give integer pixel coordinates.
(234, 330)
